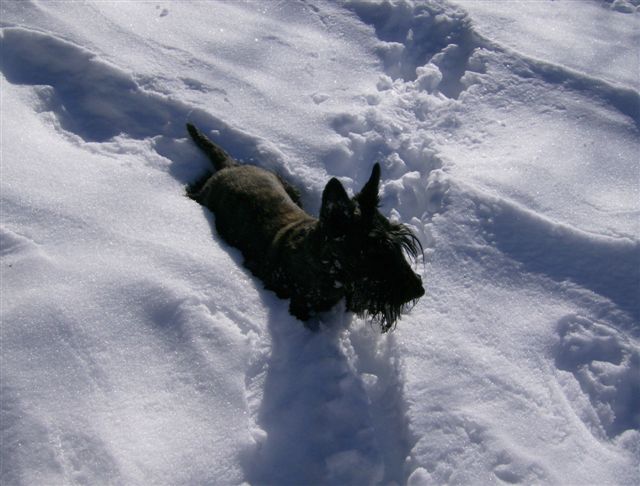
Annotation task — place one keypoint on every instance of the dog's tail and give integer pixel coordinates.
(219, 158)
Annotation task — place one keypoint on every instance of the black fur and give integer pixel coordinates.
(352, 251)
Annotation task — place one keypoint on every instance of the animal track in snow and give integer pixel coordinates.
(379, 365)
(606, 364)
(413, 35)
(85, 459)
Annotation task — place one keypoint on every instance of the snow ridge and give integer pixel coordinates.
(97, 101)
(608, 266)
(624, 99)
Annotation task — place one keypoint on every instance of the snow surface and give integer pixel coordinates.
(136, 349)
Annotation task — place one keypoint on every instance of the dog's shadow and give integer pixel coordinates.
(316, 422)
(314, 410)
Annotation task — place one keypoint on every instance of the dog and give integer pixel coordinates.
(350, 252)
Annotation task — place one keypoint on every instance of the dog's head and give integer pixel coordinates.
(368, 253)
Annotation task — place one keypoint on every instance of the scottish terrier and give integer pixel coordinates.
(352, 251)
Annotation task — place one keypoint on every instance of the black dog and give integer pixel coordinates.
(351, 252)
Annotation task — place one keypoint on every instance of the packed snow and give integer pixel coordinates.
(136, 348)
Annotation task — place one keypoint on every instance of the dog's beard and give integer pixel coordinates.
(370, 303)
(381, 301)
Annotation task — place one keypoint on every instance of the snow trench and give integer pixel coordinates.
(415, 35)
(328, 406)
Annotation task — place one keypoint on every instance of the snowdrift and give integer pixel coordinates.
(136, 349)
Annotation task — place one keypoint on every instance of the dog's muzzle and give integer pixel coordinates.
(410, 291)
(417, 290)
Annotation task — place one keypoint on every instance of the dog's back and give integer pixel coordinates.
(352, 251)
(250, 204)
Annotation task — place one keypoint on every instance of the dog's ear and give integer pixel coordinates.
(337, 209)
(367, 198)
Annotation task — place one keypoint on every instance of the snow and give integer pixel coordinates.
(136, 348)
(607, 46)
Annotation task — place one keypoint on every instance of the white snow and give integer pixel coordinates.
(136, 348)
(584, 37)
